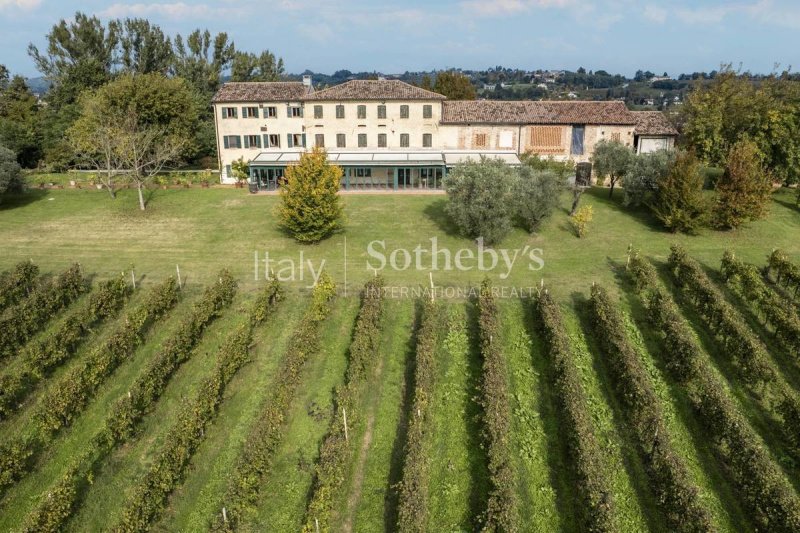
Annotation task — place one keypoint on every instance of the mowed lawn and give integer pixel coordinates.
(203, 230)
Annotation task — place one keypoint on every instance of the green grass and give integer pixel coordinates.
(194, 504)
(458, 479)
(204, 230)
(288, 482)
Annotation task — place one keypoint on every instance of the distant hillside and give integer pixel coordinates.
(38, 85)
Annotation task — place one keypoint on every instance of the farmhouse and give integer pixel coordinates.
(387, 134)
(653, 132)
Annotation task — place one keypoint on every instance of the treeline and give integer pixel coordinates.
(83, 54)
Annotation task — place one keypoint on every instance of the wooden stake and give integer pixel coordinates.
(344, 416)
(316, 524)
(133, 279)
(224, 515)
(433, 290)
(180, 285)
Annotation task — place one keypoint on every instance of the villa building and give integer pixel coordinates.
(387, 134)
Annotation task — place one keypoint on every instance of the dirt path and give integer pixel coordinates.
(358, 475)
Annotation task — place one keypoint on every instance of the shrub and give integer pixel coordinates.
(745, 188)
(581, 219)
(783, 270)
(412, 508)
(11, 179)
(336, 449)
(642, 177)
(481, 198)
(595, 501)
(764, 489)
(536, 195)
(502, 509)
(17, 284)
(310, 208)
(254, 462)
(669, 476)
(679, 202)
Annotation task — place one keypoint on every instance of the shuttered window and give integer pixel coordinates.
(381, 111)
(252, 141)
(249, 112)
(545, 139)
(427, 140)
(404, 140)
(319, 140)
(381, 140)
(616, 137)
(232, 141)
(427, 111)
(403, 111)
(340, 140)
(228, 112)
(479, 140)
(362, 140)
(339, 111)
(317, 111)
(270, 112)
(362, 111)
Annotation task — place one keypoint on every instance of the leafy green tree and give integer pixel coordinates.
(481, 198)
(79, 55)
(241, 169)
(537, 193)
(611, 159)
(20, 122)
(310, 208)
(143, 47)
(201, 60)
(679, 201)
(247, 66)
(10, 173)
(454, 86)
(643, 175)
(4, 77)
(745, 188)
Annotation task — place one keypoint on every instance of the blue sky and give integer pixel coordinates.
(327, 35)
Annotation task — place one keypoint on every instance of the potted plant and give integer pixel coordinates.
(241, 171)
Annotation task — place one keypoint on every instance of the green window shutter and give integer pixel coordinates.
(244, 112)
(304, 140)
(289, 111)
(289, 140)
(222, 110)
(302, 111)
(258, 141)
(247, 141)
(266, 141)
(226, 142)
(255, 112)
(235, 113)
(238, 142)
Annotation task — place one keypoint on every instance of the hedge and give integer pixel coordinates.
(42, 356)
(151, 493)
(21, 321)
(66, 399)
(759, 481)
(256, 457)
(669, 477)
(502, 513)
(412, 509)
(747, 282)
(737, 341)
(595, 502)
(54, 509)
(336, 449)
(17, 284)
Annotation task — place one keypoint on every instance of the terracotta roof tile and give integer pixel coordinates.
(254, 91)
(653, 123)
(536, 112)
(374, 90)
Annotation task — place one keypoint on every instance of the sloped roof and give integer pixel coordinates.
(536, 112)
(653, 123)
(260, 91)
(374, 90)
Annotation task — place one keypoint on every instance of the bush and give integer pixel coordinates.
(330, 470)
(784, 271)
(764, 489)
(536, 195)
(669, 476)
(11, 179)
(581, 219)
(17, 284)
(679, 202)
(745, 188)
(310, 208)
(481, 198)
(502, 509)
(412, 507)
(596, 504)
(246, 480)
(643, 175)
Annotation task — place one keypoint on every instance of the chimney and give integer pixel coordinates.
(307, 80)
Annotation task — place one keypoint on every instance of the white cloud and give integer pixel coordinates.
(655, 14)
(510, 7)
(21, 4)
(172, 10)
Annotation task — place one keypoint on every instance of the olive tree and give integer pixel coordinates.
(611, 159)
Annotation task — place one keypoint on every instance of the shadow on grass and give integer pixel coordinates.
(392, 499)
(561, 477)
(791, 205)
(630, 457)
(435, 211)
(479, 462)
(15, 200)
